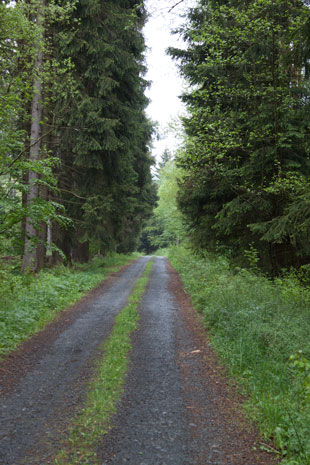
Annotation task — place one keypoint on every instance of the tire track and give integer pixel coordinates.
(151, 426)
(48, 392)
(174, 410)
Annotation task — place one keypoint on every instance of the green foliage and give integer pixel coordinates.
(94, 160)
(106, 389)
(246, 160)
(109, 190)
(166, 210)
(261, 330)
(252, 258)
(166, 225)
(20, 36)
(29, 301)
(153, 236)
(302, 367)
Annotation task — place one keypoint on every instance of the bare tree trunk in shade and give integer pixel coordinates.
(42, 235)
(80, 250)
(30, 259)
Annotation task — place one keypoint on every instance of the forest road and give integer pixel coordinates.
(176, 408)
(54, 385)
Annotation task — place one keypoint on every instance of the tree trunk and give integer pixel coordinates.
(30, 259)
(42, 236)
(80, 253)
(80, 250)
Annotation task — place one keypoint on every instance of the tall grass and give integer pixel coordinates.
(261, 330)
(28, 302)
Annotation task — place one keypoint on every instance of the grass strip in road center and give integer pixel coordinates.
(106, 389)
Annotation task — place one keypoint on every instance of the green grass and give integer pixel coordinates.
(258, 327)
(28, 302)
(161, 252)
(105, 390)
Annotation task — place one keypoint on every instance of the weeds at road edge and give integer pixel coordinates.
(260, 328)
(29, 302)
(106, 389)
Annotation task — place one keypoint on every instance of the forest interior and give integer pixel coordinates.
(83, 199)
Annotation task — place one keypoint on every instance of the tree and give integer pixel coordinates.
(76, 72)
(166, 210)
(108, 191)
(21, 89)
(30, 259)
(166, 226)
(247, 134)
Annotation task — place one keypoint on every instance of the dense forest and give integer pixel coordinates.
(246, 166)
(231, 206)
(74, 140)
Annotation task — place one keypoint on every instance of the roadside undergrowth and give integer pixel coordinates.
(29, 302)
(260, 329)
(93, 421)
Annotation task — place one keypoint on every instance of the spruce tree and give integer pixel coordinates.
(84, 66)
(247, 147)
(105, 173)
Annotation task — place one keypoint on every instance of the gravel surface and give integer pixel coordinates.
(177, 407)
(49, 389)
(151, 425)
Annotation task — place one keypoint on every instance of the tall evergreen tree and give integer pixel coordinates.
(105, 173)
(79, 66)
(247, 147)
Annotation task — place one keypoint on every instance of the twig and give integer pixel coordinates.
(270, 448)
(73, 193)
(174, 6)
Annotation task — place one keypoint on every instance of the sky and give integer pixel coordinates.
(166, 85)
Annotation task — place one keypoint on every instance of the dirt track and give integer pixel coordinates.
(176, 409)
(52, 387)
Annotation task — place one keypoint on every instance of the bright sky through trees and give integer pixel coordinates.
(162, 71)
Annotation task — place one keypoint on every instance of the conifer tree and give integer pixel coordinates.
(84, 62)
(247, 148)
(105, 174)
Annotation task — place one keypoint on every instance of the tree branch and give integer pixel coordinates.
(174, 6)
(73, 193)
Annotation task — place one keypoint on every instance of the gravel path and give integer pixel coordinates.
(152, 424)
(48, 390)
(177, 408)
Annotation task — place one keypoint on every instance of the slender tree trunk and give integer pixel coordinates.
(55, 236)
(30, 259)
(42, 236)
(80, 250)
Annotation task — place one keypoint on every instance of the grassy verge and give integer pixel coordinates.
(93, 421)
(28, 302)
(261, 331)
